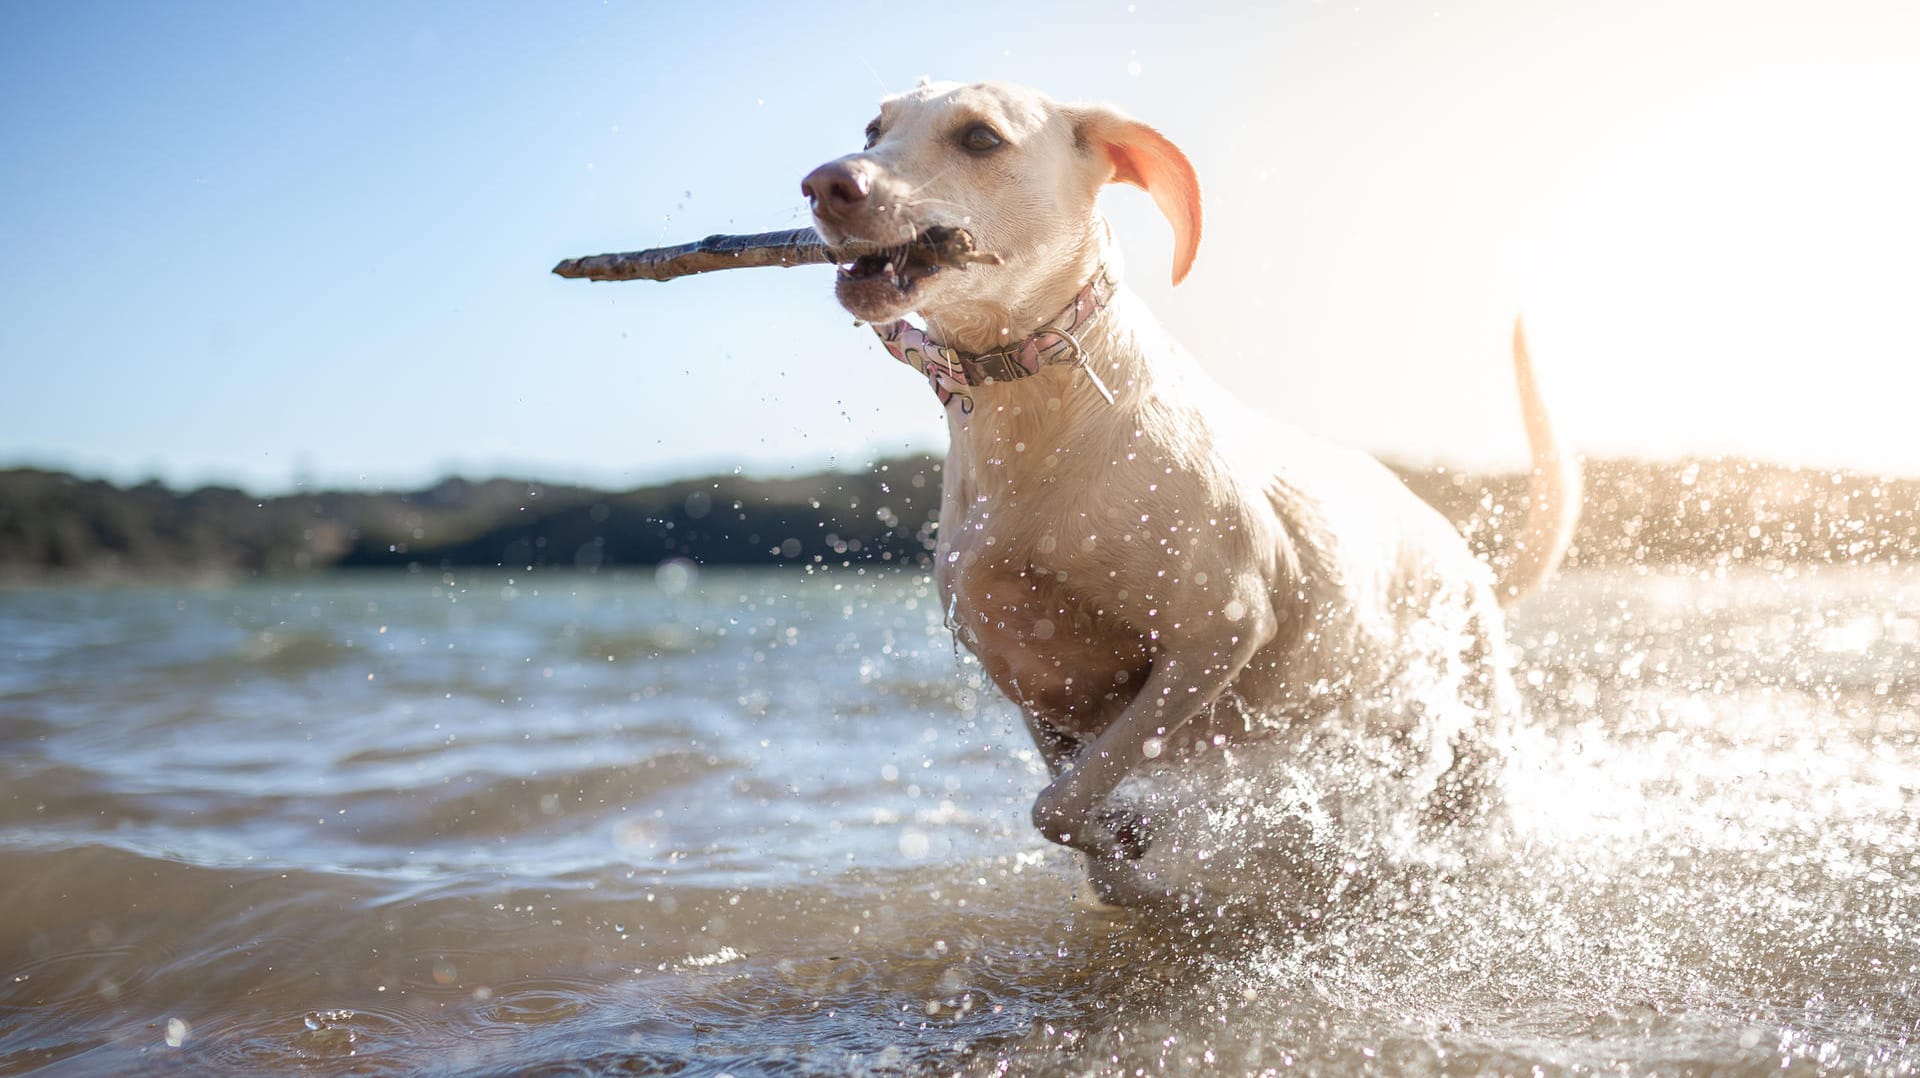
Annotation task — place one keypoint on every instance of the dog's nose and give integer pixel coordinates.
(837, 188)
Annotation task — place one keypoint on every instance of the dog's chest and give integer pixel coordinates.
(1059, 650)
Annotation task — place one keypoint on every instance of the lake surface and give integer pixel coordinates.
(768, 823)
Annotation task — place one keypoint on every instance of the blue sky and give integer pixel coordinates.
(278, 243)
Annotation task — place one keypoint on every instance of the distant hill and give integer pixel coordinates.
(1703, 513)
(51, 522)
(1699, 512)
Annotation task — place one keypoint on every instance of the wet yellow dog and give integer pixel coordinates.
(1147, 568)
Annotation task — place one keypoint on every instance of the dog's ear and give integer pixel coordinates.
(1145, 158)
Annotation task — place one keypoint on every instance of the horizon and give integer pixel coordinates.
(866, 466)
(307, 247)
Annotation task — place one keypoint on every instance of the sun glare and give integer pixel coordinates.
(1707, 219)
(1741, 256)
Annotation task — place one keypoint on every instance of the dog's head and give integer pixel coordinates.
(1017, 171)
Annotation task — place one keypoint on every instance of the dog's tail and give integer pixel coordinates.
(1553, 492)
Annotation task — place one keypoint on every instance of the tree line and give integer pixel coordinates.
(1690, 512)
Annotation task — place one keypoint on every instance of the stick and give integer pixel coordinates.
(938, 245)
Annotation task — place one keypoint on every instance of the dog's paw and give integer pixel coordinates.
(1132, 833)
(1120, 832)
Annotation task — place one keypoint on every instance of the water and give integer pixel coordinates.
(748, 823)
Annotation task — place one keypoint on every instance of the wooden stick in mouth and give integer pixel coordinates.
(938, 245)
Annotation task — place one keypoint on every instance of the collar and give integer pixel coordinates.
(952, 372)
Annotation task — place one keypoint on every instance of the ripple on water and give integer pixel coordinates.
(22, 733)
(338, 1040)
(37, 795)
(502, 806)
(649, 643)
(541, 1002)
(83, 979)
(272, 653)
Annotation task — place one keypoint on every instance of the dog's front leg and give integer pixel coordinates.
(1185, 682)
(1056, 746)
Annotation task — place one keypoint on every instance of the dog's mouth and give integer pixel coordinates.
(882, 281)
(900, 267)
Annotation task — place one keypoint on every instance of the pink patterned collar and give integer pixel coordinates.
(952, 373)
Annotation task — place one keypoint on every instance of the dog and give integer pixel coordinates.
(1148, 570)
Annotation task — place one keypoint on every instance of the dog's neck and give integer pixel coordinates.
(1066, 418)
(984, 327)
(1053, 413)
(956, 375)
(1056, 275)
(977, 344)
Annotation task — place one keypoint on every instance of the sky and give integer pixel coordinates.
(290, 244)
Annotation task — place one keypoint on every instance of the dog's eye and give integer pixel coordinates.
(873, 134)
(980, 138)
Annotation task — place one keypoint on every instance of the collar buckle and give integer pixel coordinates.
(1001, 366)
